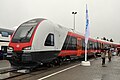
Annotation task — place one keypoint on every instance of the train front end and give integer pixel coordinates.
(21, 43)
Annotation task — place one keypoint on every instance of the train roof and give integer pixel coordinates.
(108, 42)
(76, 33)
(10, 32)
(103, 41)
(117, 44)
(36, 20)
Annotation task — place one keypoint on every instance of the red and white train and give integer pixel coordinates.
(41, 41)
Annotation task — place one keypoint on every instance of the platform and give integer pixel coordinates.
(93, 72)
(75, 71)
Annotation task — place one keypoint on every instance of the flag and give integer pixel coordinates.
(87, 32)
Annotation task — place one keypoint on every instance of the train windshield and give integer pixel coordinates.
(24, 32)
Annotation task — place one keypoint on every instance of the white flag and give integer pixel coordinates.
(87, 32)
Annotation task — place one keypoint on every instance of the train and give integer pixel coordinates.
(40, 41)
(5, 35)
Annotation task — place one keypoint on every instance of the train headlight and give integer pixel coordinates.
(27, 48)
(9, 49)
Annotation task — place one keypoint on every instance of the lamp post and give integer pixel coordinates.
(74, 19)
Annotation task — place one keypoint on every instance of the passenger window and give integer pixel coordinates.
(49, 40)
(4, 34)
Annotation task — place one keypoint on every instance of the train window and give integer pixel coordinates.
(4, 34)
(83, 44)
(4, 49)
(88, 45)
(79, 44)
(99, 46)
(95, 47)
(24, 32)
(66, 43)
(70, 43)
(74, 43)
(49, 40)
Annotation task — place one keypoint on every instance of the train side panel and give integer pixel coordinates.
(47, 42)
(60, 36)
(44, 29)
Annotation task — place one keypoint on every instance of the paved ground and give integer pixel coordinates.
(4, 64)
(94, 72)
(75, 71)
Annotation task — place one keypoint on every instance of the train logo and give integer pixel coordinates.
(17, 45)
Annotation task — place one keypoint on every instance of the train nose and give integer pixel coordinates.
(26, 57)
(22, 57)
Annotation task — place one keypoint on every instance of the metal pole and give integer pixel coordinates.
(74, 21)
(85, 52)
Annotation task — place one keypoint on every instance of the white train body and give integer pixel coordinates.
(44, 44)
(44, 29)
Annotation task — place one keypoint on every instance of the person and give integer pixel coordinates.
(95, 55)
(103, 55)
(109, 55)
(113, 52)
(118, 51)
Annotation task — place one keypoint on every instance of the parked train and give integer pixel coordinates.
(41, 41)
(5, 35)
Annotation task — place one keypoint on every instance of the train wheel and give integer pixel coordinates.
(50, 64)
(68, 59)
(60, 61)
(56, 62)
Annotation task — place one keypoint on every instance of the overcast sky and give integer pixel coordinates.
(103, 14)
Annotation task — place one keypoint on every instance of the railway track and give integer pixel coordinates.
(12, 74)
(15, 75)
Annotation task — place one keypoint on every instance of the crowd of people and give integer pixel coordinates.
(109, 52)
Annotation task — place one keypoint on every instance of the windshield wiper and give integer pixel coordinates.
(28, 32)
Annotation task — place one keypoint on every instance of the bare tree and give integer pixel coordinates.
(111, 40)
(104, 38)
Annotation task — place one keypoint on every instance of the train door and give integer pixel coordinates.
(79, 46)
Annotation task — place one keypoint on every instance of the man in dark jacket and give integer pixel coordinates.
(103, 55)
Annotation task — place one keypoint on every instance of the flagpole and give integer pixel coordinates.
(85, 52)
(87, 33)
